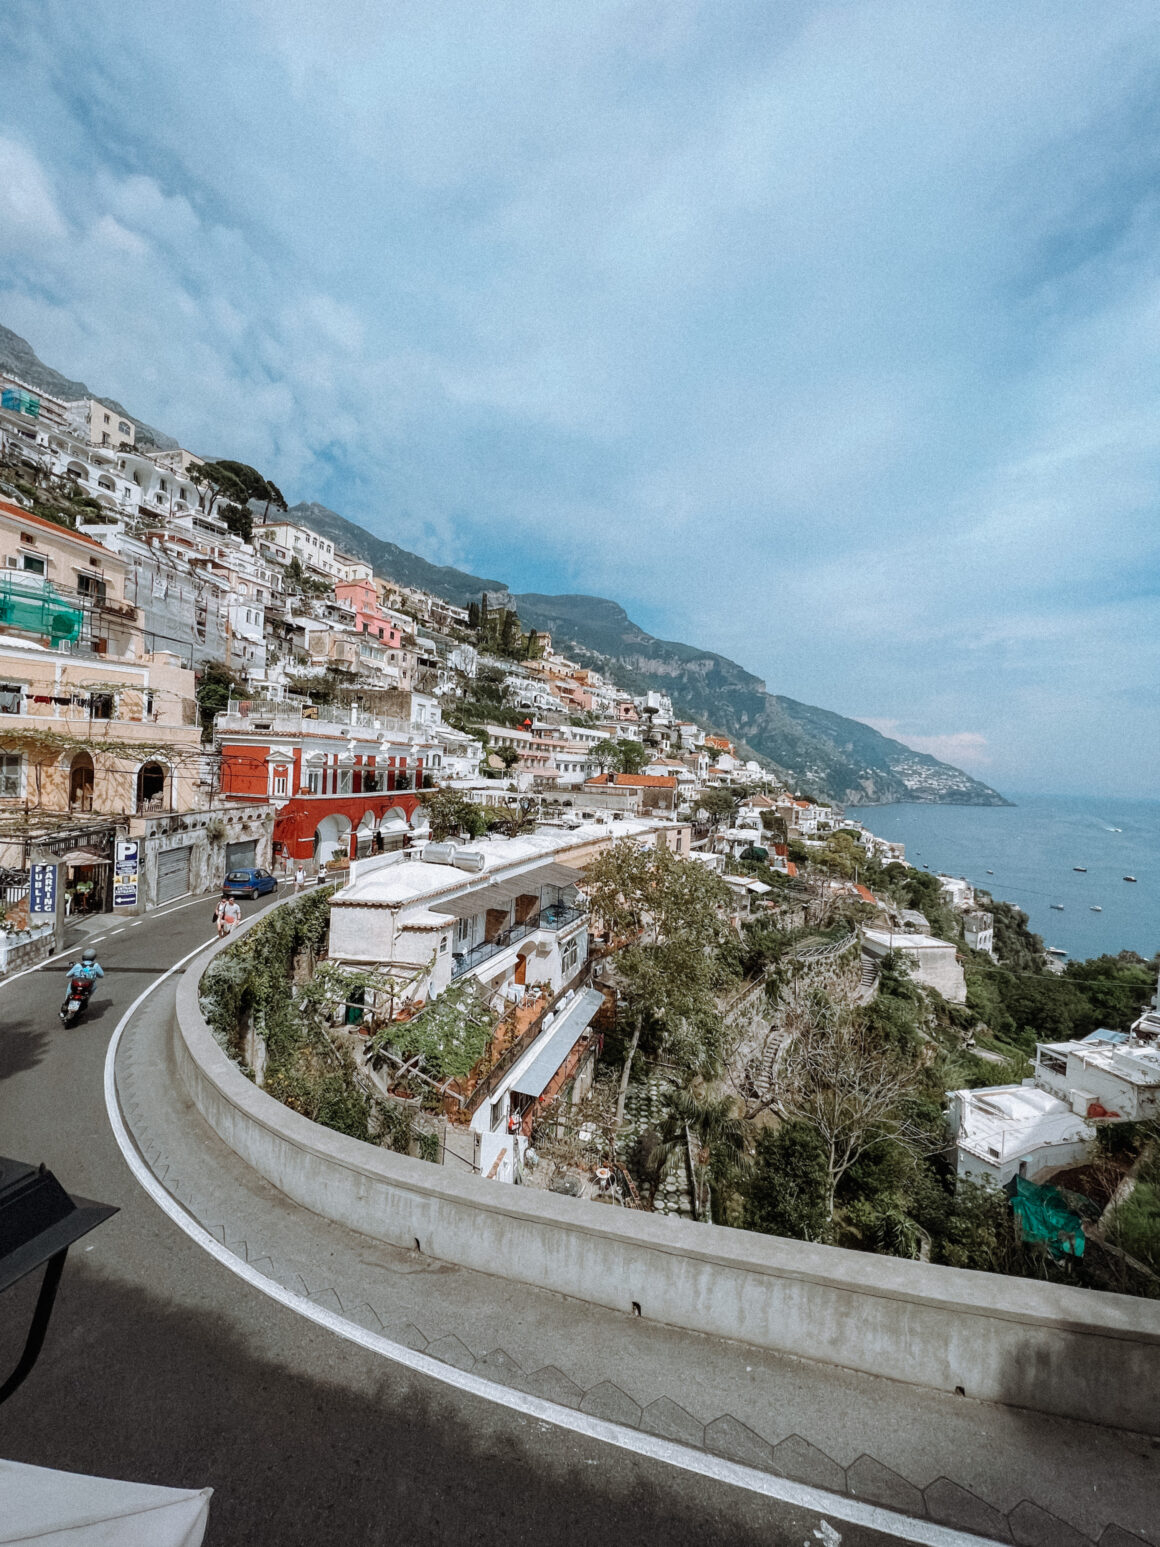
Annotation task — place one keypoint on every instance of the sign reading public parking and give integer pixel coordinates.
(127, 874)
(42, 889)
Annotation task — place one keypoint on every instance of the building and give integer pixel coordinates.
(104, 426)
(505, 912)
(979, 930)
(932, 962)
(1050, 1121)
(633, 794)
(313, 552)
(336, 780)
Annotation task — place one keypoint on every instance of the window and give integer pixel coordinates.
(10, 695)
(124, 428)
(279, 784)
(314, 781)
(33, 564)
(27, 537)
(101, 706)
(9, 773)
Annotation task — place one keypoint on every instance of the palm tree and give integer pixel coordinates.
(719, 1151)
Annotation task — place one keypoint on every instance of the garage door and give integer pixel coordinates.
(172, 874)
(242, 856)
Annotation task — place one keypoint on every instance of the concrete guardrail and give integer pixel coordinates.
(1050, 1348)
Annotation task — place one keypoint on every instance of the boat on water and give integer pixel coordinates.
(990, 872)
(1081, 868)
(1058, 906)
(1095, 908)
(1056, 950)
(1129, 878)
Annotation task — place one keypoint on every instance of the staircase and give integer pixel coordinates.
(868, 986)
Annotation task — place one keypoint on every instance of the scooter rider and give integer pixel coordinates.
(88, 967)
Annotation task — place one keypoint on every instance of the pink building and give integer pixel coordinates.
(369, 615)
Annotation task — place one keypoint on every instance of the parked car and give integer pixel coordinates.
(249, 883)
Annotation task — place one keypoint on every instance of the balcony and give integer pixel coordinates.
(554, 917)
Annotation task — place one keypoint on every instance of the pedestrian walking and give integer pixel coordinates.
(299, 877)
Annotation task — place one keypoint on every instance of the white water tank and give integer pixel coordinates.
(439, 853)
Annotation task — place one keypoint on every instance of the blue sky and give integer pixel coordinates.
(824, 335)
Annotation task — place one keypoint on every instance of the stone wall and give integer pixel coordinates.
(1041, 1346)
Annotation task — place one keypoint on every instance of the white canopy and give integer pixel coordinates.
(59, 1508)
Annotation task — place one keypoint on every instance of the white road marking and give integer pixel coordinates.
(900, 1528)
(113, 932)
(80, 945)
(136, 924)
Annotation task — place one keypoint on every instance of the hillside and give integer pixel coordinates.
(814, 749)
(821, 751)
(454, 585)
(18, 357)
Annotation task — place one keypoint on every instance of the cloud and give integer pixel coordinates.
(28, 210)
(816, 334)
(966, 749)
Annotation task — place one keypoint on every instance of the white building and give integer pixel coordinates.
(932, 962)
(1014, 1130)
(311, 550)
(1032, 1129)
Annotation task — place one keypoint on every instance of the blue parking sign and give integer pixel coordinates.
(42, 889)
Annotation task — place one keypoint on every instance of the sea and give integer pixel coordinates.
(1028, 854)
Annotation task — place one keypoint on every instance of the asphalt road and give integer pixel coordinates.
(163, 1367)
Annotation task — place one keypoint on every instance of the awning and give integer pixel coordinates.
(47, 1506)
(500, 894)
(552, 1047)
(81, 857)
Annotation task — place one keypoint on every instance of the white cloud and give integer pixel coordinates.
(823, 336)
(28, 210)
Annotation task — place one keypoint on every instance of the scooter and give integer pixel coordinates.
(76, 1001)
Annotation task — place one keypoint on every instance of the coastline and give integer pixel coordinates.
(1062, 859)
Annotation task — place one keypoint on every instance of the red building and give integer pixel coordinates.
(337, 784)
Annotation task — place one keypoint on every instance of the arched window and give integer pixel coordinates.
(80, 783)
(150, 788)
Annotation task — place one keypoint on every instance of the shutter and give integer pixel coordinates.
(242, 856)
(172, 874)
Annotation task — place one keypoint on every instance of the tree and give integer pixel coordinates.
(604, 754)
(631, 756)
(787, 1189)
(450, 812)
(515, 817)
(720, 805)
(852, 1089)
(240, 521)
(216, 683)
(719, 1154)
(673, 913)
(511, 636)
(508, 756)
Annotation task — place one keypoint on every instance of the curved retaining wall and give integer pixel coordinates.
(1068, 1351)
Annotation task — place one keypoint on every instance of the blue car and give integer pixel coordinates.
(249, 883)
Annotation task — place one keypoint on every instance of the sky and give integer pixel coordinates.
(820, 334)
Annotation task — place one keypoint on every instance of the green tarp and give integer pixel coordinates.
(34, 608)
(1043, 1214)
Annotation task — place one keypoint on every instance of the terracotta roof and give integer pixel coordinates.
(790, 868)
(865, 894)
(26, 518)
(635, 781)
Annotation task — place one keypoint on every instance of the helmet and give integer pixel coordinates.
(89, 956)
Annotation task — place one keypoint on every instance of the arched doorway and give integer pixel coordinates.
(332, 834)
(150, 787)
(80, 783)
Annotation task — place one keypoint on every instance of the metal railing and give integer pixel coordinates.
(555, 916)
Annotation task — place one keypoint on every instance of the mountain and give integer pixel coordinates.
(18, 357)
(815, 749)
(454, 585)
